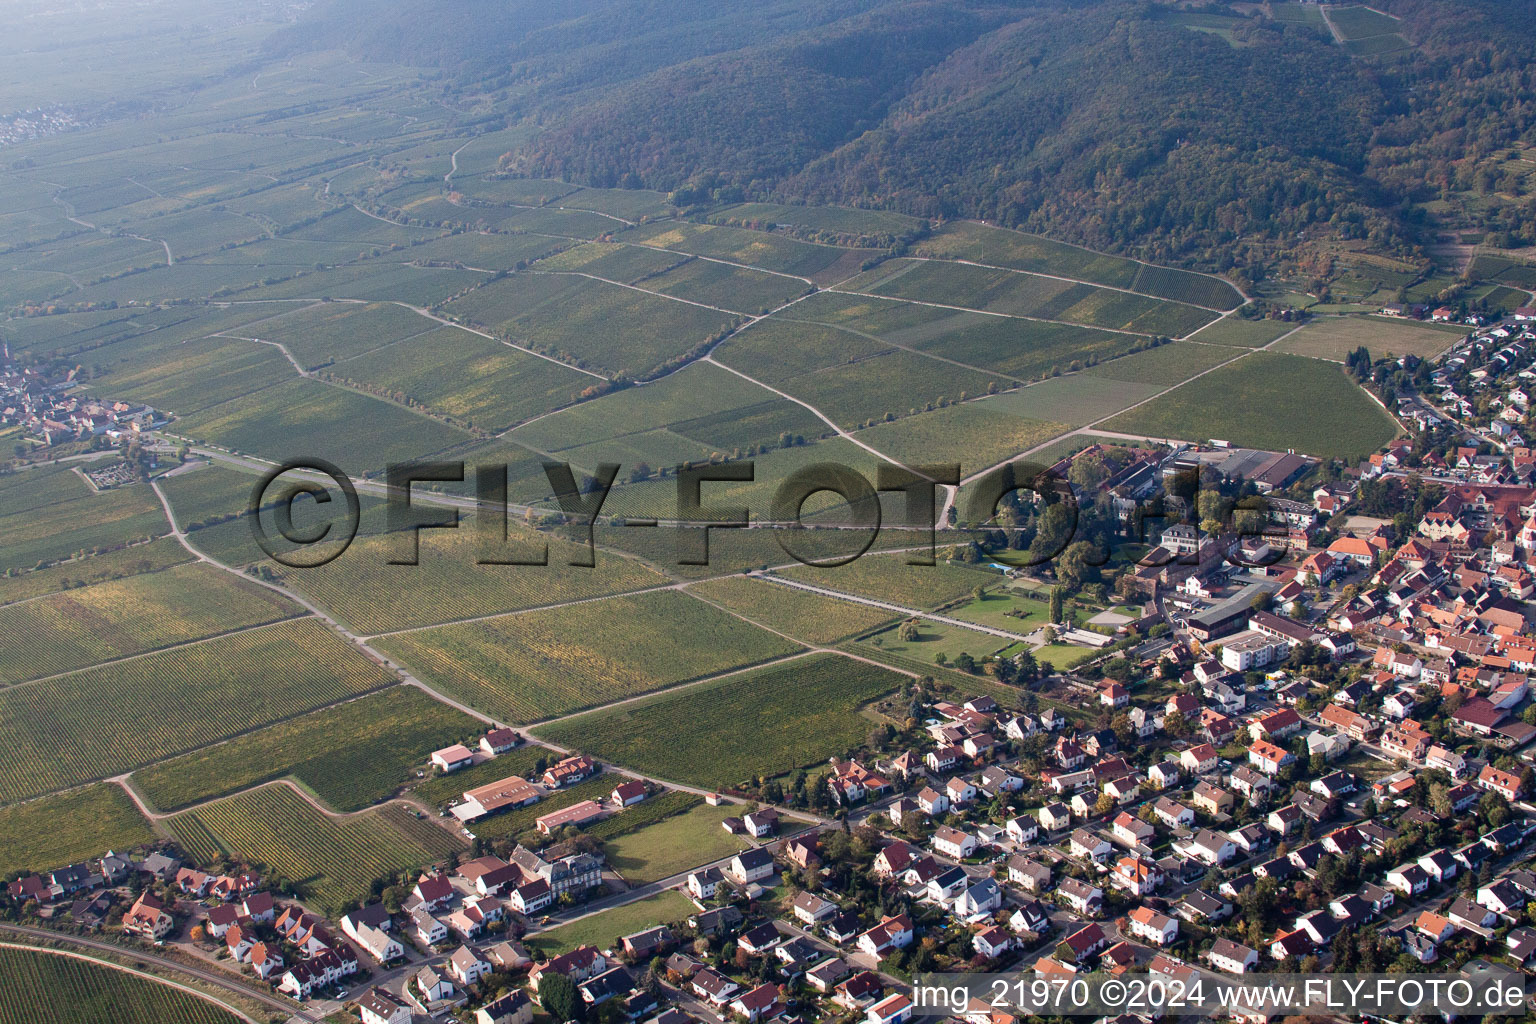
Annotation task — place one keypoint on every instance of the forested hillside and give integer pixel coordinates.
(1214, 134)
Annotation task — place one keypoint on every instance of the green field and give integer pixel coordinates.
(795, 714)
(329, 332)
(101, 721)
(538, 664)
(351, 755)
(605, 929)
(1336, 337)
(934, 639)
(680, 843)
(45, 987)
(1361, 22)
(84, 626)
(333, 861)
(1269, 401)
(57, 830)
(801, 614)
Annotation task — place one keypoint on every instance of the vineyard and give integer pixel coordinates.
(371, 595)
(890, 578)
(539, 664)
(721, 734)
(101, 721)
(88, 625)
(130, 561)
(45, 987)
(333, 862)
(351, 755)
(59, 830)
(806, 616)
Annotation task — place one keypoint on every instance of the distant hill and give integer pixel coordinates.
(1214, 136)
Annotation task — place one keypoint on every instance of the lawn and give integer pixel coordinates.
(722, 733)
(351, 755)
(84, 626)
(935, 639)
(333, 862)
(680, 843)
(1007, 609)
(1269, 401)
(606, 928)
(57, 830)
(801, 614)
(1336, 337)
(46, 987)
(538, 664)
(98, 722)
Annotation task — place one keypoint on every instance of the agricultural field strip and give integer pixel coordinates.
(1068, 280)
(705, 357)
(552, 205)
(905, 348)
(136, 973)
(896, 609)
(1088, 428)
(840, 290)
(166, 649)
(520, 611)
(633, 288)
(845, 435)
